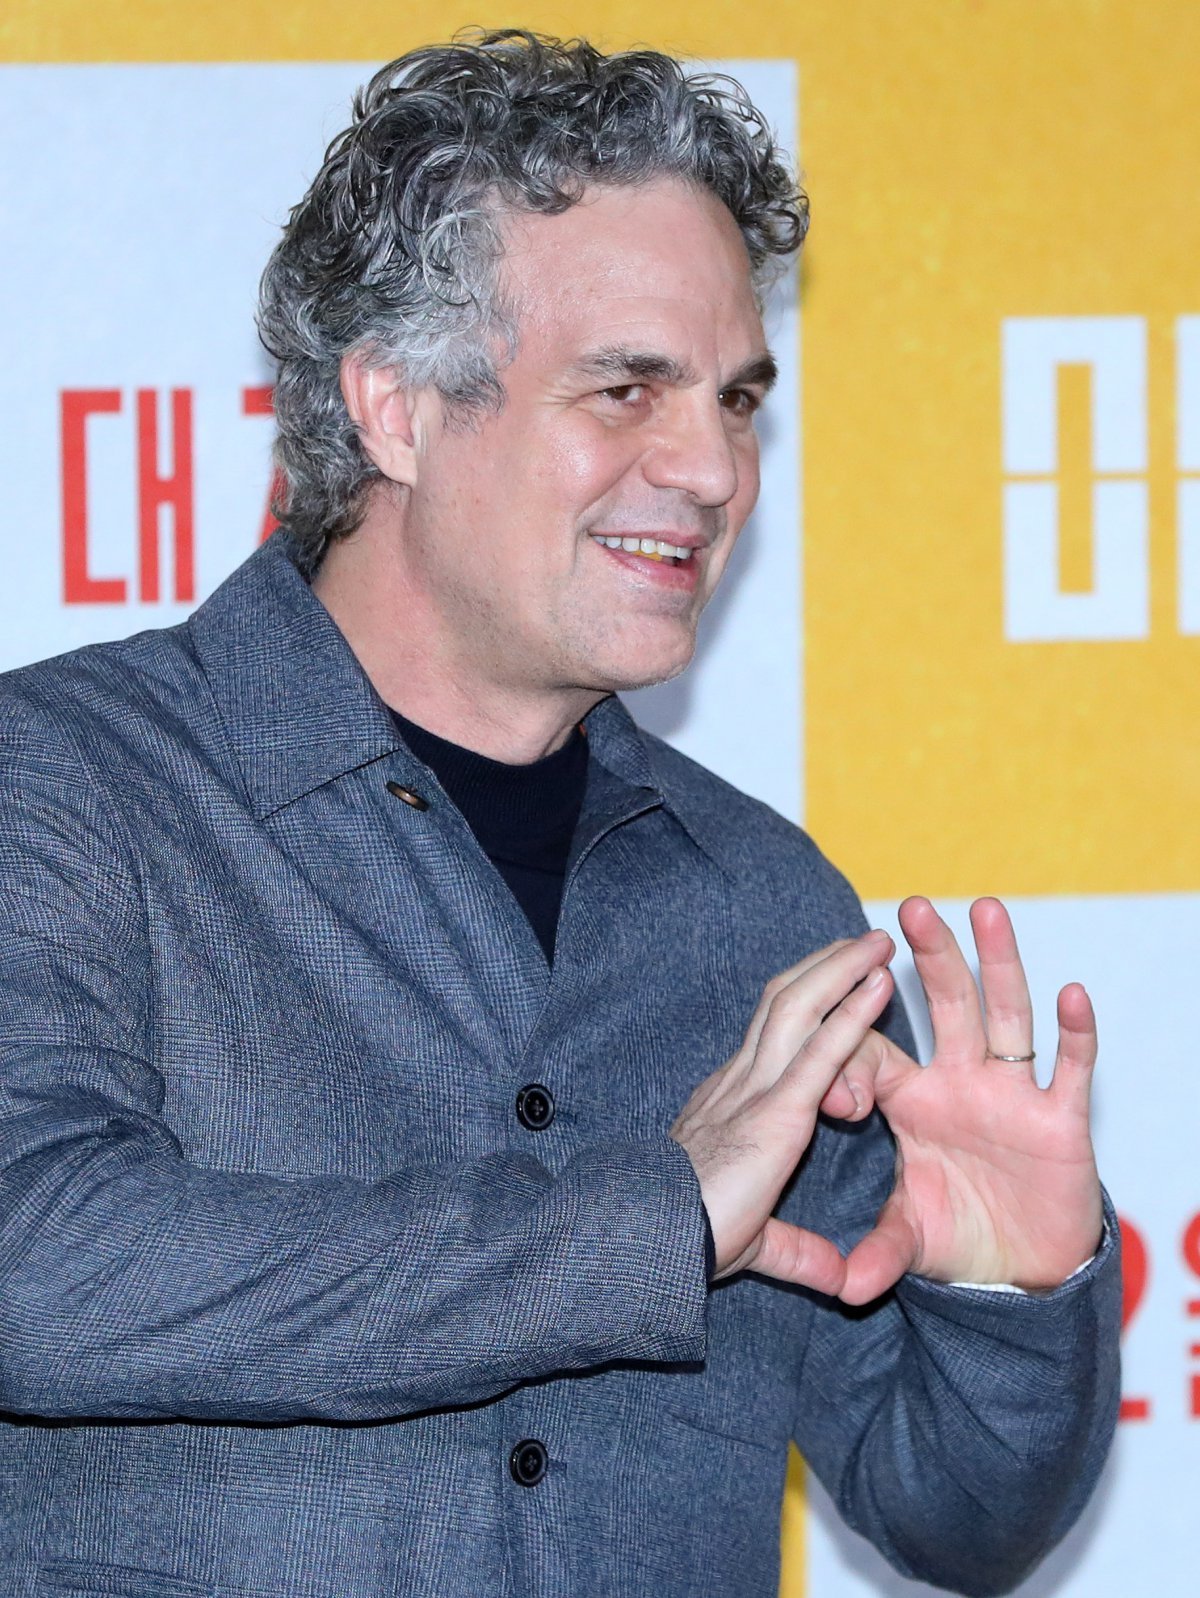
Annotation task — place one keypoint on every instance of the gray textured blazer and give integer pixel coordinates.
(284, 1278)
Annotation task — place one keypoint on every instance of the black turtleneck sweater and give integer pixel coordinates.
(523, 817)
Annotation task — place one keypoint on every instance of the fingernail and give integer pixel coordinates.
(875, 980)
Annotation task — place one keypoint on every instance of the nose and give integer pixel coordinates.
(693, 452)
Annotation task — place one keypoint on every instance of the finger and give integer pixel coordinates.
(820, 1058)
(1077, 1046)
(1007, 1012)
(785, 979)
(881, 1259)
(950, 990)
(792, 1254)
(869, 1077)
(842, 1101)
(786, 998)
(798, 1010)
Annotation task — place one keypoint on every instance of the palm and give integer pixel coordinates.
(996, 1180)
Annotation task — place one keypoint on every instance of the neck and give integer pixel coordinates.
(417, 666)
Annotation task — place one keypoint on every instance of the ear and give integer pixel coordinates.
(388, 416)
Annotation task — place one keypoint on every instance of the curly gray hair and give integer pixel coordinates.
(392, 251)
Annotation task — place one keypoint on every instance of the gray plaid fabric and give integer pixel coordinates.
(284, 1278)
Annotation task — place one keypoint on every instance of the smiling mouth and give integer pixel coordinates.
(648, 548)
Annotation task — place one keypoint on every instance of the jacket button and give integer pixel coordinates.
(407, 794)
(527, 1462)
(535, 1107)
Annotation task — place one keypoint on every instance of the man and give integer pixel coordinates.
(410, 1163)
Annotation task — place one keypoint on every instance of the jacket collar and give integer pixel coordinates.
(299, 711)
(297, 707)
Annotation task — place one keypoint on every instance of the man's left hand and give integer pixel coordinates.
(996, 1178)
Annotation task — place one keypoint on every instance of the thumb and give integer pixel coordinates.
(881, 1259)
(793, 1254)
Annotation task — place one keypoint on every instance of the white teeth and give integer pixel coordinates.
(643, 546)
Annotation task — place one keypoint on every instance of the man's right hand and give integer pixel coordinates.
(747, 1125)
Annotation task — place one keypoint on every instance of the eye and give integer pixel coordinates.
(625, 394)
(740, 401)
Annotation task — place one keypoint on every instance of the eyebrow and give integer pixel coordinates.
(616, 363)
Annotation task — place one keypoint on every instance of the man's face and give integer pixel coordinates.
(629, 416)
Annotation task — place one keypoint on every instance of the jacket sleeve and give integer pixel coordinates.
(136, 1284)
(960, 1430)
